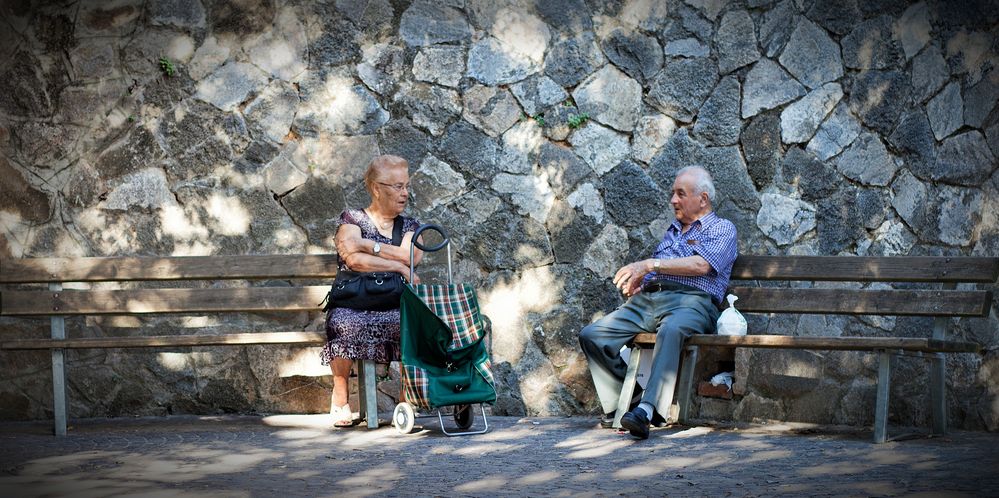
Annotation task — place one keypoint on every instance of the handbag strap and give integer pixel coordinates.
(397, 231)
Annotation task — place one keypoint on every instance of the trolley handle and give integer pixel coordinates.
(416, 243)
(436, 228)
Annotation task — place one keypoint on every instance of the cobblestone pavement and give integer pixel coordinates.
(298, 455)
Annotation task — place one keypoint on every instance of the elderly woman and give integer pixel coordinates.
(364, 243)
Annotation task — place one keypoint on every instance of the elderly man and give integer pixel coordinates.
(674, 294)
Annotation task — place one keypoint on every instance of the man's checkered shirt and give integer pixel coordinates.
(711, 237)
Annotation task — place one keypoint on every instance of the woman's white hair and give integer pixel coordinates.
(702, 180)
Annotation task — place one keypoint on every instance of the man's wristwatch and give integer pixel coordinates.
(377, 248)
(655, 265)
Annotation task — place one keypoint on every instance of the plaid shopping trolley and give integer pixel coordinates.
(445, 359)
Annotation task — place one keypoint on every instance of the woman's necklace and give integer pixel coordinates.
(380, 224)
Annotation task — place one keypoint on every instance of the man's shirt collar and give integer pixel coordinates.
(703, 221)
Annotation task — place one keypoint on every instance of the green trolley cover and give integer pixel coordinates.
(444, 356)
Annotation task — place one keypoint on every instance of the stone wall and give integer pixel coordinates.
(544, 134)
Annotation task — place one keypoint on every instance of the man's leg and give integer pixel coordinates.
(602, 341)
(673, 330)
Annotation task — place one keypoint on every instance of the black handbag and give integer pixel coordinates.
(370, 291)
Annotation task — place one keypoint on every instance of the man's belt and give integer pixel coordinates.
(667, 285)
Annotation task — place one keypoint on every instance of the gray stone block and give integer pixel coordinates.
(909, 197)
(879, 98)
(682, 86)
(686, 47)
(631, 197)
(980, 100)
(650, 134)
(427, 23)
(913, 141)
(960, 213)
(272, 112)
(398, 137)
(492, 110)
(20, 197)
(382, 68)
(570, 16)
(801, 119)
(537, 93)
(736, 41)
(913, 29)
(601, 148)
(811, 56)
(839, 17)
(768, 86)
(430, 107)
(638, 55)
(508, 241)
(492, 63)
(718, 119)
(564, 168)
(776, 27)
(468, 149)
(867, 161)
(334, 46)
(837, 132)
(929, 73)
(784, 219)
(571, 59)
(964, 159)
(945, 111)
(872, 45)
(762, 145)
(441, 64)
(610, 97)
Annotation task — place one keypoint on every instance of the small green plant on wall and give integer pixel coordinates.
(167, 66)
(577, 120)
(539, 119)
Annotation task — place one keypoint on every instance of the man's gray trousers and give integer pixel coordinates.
(673, 315)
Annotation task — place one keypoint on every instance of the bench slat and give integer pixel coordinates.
(864, 302)
(867, 269)
(307, 298)
(747, 267)
(825, 343)
(149, 301)
(244, 339)
(172, 268)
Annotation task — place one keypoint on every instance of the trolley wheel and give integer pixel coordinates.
(403, 418)
(463, 416)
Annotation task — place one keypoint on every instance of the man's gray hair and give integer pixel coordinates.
(702, 180)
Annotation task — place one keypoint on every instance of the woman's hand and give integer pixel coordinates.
(415, 280)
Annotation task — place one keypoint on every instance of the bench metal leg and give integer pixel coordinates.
(938, 393)
(367, 394)
(628, 389)
(938, 375)
(58, 328)
(881, 410)
(687, 368)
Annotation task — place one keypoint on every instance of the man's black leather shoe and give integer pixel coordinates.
(637, 423)
(607, 421)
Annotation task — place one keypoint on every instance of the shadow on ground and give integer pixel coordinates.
(294, 455)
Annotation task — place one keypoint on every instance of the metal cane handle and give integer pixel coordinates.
(416, 243)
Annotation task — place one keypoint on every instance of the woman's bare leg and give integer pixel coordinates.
(341, 372)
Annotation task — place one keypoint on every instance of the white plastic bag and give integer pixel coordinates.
(723, 378)
(731, 322)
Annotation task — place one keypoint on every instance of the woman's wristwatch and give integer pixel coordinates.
(377, 248)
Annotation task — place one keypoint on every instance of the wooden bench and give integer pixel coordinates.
(239, 294)
(771, 293)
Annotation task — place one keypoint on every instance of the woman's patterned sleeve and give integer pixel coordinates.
(410, 224)
(347, 217)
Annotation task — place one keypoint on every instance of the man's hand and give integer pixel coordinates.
(629, 278)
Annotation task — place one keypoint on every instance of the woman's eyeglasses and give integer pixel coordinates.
(398, 187)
